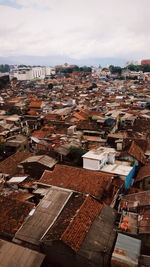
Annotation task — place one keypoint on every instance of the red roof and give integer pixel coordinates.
(136, 152)
(78, 179)
(76, 232)
(35, 104)
(32, 112)
(13, 214)
(10, 164)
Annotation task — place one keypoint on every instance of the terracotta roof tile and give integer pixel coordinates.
(78, 179)
(80, 225)
(68, 213)
(42, 133)
(10, 164)
(35, 104)
(12, 214)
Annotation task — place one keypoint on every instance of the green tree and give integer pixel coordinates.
(4, 68)
(115, 69)
(76, 154)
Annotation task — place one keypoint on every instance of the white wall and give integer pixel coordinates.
(91, 164)
(33, 73)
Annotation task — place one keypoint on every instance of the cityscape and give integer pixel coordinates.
(74, 133)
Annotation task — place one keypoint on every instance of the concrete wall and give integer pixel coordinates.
(91, 164)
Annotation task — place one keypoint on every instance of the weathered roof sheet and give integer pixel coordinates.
(143, 173)
(20, 195)
(44, 216)
(133, 201)
(136, 152)
(14, 255)
(17, 179)
(42, 159)
(126, 251)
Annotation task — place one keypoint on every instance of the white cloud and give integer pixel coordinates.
(78, 29)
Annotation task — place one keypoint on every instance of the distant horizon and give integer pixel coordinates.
(54, 61)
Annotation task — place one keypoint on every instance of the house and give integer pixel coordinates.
(139, 204)
(97, 184)
(142, 179)
(134, 154)
(14, 255)
(134, 202)
(66, 229)
(96, 159)
(86, 238)
(30, 122)
(126, 251)
(43, 216)
(36, 105)
(10, 164)
(36, 165)
(144, 260)
(18, 142)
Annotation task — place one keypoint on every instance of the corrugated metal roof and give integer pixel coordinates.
(127, 250)
(44, 216)
(17, 179)
(42, 159)
(132, 201)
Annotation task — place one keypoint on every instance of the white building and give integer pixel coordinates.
(97, 158)
(103, 159)
(28, 73)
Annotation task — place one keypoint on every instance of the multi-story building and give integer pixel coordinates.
(29, 73)
(145, 62)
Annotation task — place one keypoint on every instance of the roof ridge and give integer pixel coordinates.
(76, 231)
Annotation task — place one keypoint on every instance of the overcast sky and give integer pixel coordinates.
(78, 29)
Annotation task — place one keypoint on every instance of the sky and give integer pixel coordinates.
(75, 29)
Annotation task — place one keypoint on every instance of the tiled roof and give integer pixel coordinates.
(77, 179)
(41, 134)
(136, 152)
(35, 104)
(72, 206)
(10, 164)
(75, 233)
(32, 112)
(12, 214)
